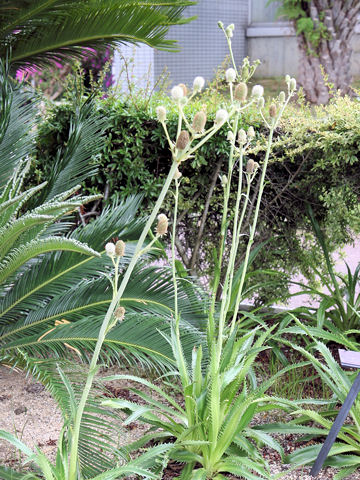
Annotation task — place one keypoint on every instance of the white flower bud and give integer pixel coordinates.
(287, 79)
(257, 91)
(261, 102)
(198, 84)
(162, 225)
(230, 75)
(230, 136)
(282, 97)
(229, 30)
(110, 249)
(177, 92)
(119, 314)
(224, 181)
(292, 84)
(251, 133)
(161, 114)
(242, 137)
(221, 116)
(120, 248)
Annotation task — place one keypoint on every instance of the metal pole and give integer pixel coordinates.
(335, 429)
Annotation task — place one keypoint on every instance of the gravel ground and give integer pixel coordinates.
(28, 411)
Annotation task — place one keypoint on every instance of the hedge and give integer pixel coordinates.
(315, 160)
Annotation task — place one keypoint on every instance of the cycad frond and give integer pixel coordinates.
(139, 337)
(18, 116)
(20, 256)
(43, 31)
(100, 429)
(64, 285)
(75, 161)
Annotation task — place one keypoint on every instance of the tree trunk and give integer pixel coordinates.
(333, 54)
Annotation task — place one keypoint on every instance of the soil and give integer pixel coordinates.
(28, 410)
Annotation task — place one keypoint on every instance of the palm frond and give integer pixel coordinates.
(75, 161)
(100, 430)
(18, 116)
(52, 30)
(139, 338)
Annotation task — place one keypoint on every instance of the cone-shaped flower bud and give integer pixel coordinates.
(177, 174)
(287, 78)
(240, 92)
(110, 249)
(272, 110)
(198, 84)
(256, 166)
(183, 140)
(230, 136)
(162, 225)
(177, 92)
(220, 24)
(230, 75)
(184, 88)
(242, 136)
(261, 102)
(250, 166)
(224, 181)
(292, 84)
(161, 114)
(257, 91)
(251, 133)
(229, 30)
(119, 248)
(119, 313)
(199, 121)
(282, 97)
(221, 116)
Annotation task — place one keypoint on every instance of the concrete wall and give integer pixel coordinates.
(279, 53)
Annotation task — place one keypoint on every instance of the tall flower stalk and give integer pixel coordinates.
(218, 401)
(181, 150)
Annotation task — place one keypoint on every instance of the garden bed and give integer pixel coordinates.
(28, 410)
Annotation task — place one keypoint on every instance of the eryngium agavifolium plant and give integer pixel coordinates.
(217, 394)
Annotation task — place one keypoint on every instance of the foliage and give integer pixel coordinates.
(43, 287)
(314, 160)
(339, 305)
(344, 454)
(53, 81)
(299, 12)
(213, 429)
(40, 33)
(100, 431)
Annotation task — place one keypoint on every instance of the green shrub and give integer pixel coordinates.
(315, 161)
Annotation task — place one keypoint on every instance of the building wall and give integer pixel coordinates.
(202, 44)
(279, 55)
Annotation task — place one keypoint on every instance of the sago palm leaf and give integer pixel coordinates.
(100, 429)
(18, 116)
(66, 286)
(75, 161)
(45, 30)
